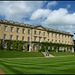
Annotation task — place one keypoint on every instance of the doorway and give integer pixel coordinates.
(28, 48)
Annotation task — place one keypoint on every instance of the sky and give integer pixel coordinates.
(59, 15)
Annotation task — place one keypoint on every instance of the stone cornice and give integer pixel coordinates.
(32, 26)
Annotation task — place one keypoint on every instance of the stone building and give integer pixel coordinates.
(25, 32)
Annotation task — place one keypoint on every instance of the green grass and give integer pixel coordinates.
(62, 53)
(55, 65)
(16, 54)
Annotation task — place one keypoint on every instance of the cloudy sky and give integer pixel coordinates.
(58, 15)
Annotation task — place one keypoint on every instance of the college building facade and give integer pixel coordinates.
(10, 30)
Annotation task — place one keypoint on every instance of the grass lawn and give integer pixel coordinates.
(55, 65)
(16, 54)
(62, 53)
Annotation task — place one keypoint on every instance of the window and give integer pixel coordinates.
(68, 37)
(11, 37)
(48, 40)
(4, 36)
(40, 39)
(65, 42)
(44, 33)
(28, 38)
(44, 39)
(28, 31)
(5, 28)
(22, 38)
(59, 41)
(52, 41)
(17, 38)
(65, 37)
(68, 42)
(34, 32)
(52, 34)
(34, 38)
(11, 29)
(17, 30)
(55, 35)
(4, 44)
(59, 36)
(55, 41)
(48, 34)
(23, 31)
(62, 36)
(39, 33)
(62, 42)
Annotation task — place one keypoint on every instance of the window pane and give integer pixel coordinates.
(4, 36)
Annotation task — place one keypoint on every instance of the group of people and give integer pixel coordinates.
(47, 53)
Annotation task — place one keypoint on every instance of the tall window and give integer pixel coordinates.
(28, 31)
(44, 39)
(23, 31)
(28, 38)
(62, 42)
(40, 39)
(22, 38)
(68, 37)
(55, 41)
(34, 32)
(11, 29)
(34, 38)
(11, 37)
(4, 36)
(52, 41)
(44, 33)
(5, 28)
(39, 32)
(65, 42)
(4, 44)
(52, 34)
(48, 34)
(59, 36)
(62, 36)
(17, 30)
(48, 40)
(17, 38)
(55, 35)
(59, 41)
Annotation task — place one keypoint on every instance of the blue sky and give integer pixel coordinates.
(58, 15)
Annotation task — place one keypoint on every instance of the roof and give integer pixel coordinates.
(3, 21)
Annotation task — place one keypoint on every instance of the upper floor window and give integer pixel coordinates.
(48, 34)
(39, 32)
(65, 42)
(59, 41)
(5, 28)
(11, 29)
(11, 37)
(62, 36)
(44, 33)
(28, 38)
(52, 34)
(34, 38)
(22, 38)
(23, 31)
(17, 30)
(48, 40)
(44, 39)
(4, 36)
(40, 39)
(52, 41)
(17, 38)
(62, 42)
(55, 41)
(59, 36)
(55, 35)
(34, 32)
(68, 37)
(28, 31)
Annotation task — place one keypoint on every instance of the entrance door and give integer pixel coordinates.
(28, 48)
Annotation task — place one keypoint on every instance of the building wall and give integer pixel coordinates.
(37, 29)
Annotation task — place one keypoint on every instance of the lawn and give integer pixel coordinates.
(17, 54)
(62, 53)
(56, 65)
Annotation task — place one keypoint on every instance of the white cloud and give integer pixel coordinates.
(53, 3)
(16, 10)
(68, 6)
(40, 13)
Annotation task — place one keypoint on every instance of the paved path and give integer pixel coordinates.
(50, 55)
(1, 71)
